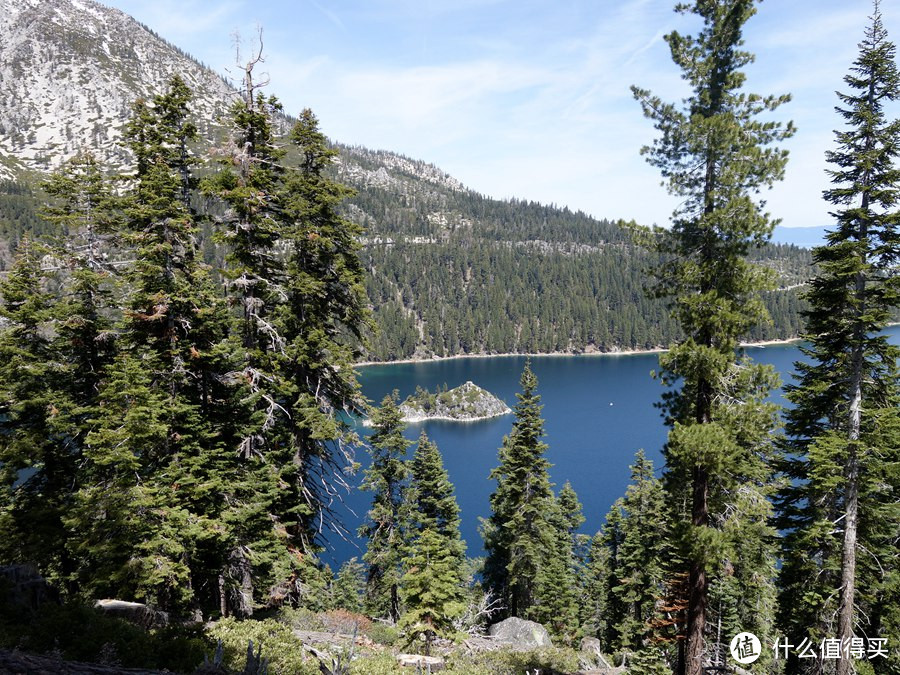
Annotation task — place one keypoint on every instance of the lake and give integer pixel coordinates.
(598, 411)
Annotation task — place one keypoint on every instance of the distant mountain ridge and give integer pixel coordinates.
(450, 271)
(807, 237)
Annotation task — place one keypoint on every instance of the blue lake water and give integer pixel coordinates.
(598, 411)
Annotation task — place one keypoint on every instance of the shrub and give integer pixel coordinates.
(344, 621)
(280, 648)
(381, 664)
(545, 661)
(300, 618)
(383, 634)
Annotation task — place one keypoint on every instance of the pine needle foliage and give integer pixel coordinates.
(716, 153)
(840, 507)
(388, 518)
(519, 535)
(433, 584)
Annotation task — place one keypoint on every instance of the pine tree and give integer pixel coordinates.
(640, 555)
(349, 586)
(592, 602)
(840, 509)
(715, 156)
(83, 206)
(519, 535)
(293, 270)
(175, 356)
(557, 580)
(432, 586)
(249, 183)
(388, 518)
(572, 513)
(35, 461)
(322, 324)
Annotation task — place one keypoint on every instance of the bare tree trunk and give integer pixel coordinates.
(848, 562)
(223, 598)
(851, 499)
(698, 583)
(395, 603)
(239, 571)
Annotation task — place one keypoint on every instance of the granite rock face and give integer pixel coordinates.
(520, 633)
(466, 403)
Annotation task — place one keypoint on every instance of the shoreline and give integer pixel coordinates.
(622, 352)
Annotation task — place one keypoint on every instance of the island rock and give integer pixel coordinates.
(466, 403)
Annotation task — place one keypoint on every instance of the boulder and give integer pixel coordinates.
(133, 612)
(422, 664)
(520, 633)
(25, 587)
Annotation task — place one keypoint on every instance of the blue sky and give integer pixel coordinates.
(527, 98)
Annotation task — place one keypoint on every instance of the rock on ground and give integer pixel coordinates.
(521, 633)
(423, 664)
(133, 612)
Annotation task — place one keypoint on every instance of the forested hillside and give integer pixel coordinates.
(454, 272)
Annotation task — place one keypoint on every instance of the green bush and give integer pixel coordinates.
(300, 618)
(545, 661)
(283, 651)
(383, 634)
(381, 664)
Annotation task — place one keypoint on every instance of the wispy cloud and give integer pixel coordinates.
(331, 15)
(528, 98)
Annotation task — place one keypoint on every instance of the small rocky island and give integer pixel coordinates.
(466, 403)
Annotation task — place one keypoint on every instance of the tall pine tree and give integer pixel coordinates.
(432, 586)
(715, 156)
(519, 535)
(388, 518)
(640, 556)
(840, 509)
(36, 462)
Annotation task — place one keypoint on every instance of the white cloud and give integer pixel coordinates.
(528, 99)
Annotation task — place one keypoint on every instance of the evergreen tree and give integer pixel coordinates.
(432, 588)
(175, 356)
(35, 460)
(85, 338)
(840, 508)
(519, 535)
(293, 270)
(249, 183)
(432, 495)
(433, 581)
(388, 518)
(592, 602)
(715, 156)
(571, 511)
(321, 323)
(349, 586)
(640, 555)
(558, 608)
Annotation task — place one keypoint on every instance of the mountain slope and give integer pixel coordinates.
(71, 70)
(450, 271)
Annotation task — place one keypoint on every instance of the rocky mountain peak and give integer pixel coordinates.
(69, 73)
